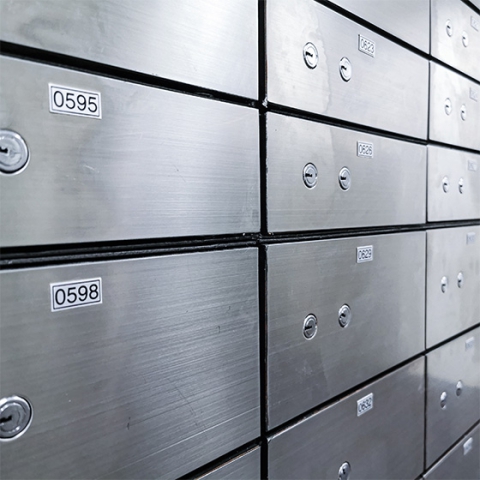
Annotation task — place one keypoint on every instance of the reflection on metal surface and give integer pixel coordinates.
(244, 467)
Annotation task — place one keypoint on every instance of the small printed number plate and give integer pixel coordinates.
(474, 23)
(474, 94)
(469, 343)
(364, 404)
(70, 101)
(364, 149)
(472, 165)
(366, 46)
(470, 238)
(365, 254)
(467, 446)
(79, 293)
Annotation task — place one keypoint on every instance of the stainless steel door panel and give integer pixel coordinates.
(453, 282)
(414, 14)
(450, 92)
(449, 418)
(376, 94)
(386, 300)
(476, 3)
(453, 184)
(157, 380)
(383, 443)
(388, 189)
(212, 44)
(244, 467)
(463, 462)
(157, 164)
(456, 36)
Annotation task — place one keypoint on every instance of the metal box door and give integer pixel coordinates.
(453, 282)
(326, 64)
(320, 177)
(453, 184)
(367, 299)
(456, 36)
(212, 44)
(155, 381)
(243, 467)
(454, 108)
(453, 393)
(408, 20)
(385, 441)
(463, 461)
(156, 164)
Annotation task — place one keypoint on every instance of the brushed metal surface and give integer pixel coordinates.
(449, 252)
(156, 381)
(383, 443)
(387, 300)
(376, 96)
(243, 467)
(451, 49)
(212, 44)
(158, 163)
(408, 20)
(451, 128)
(388, 189)
(446, 365)
(459, 463)
(476, 3)
(455, 204)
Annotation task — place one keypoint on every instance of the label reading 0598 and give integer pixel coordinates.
(71, 101)
(79, 293)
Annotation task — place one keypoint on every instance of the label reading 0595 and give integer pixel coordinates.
(79, 293)
(70, 101)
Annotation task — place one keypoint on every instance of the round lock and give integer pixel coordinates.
(448, 106)
(15, 417)
(459, 388)
(444, 284)
(345, 178)
(344, 471)
(344, 316)
(443, 400)
(465, 39)
(463, 112)
(310, 175)
(445, 184)
(460, 280)
(310, 326)
(14, 153)
(449, 28)
(460, 185)
(310, 55)
(345, 68)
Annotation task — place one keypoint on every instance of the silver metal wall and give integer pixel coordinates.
(240, 239)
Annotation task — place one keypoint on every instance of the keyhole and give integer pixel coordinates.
(4, 150)
(5, 420)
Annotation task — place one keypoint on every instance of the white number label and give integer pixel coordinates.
(470, 238)
(366, 46)
(364, 404)
(474, 95)
(474, 23)
(70, 101)
(76, 294)
(365, 254)
(472, 165)
(469, 343)
(364, 149)
(467, 446)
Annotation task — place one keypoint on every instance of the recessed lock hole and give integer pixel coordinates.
(4, 420)
(4, 150)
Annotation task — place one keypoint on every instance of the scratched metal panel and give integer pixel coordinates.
(386, 298)
(453, 184)
(408, 20)
(157, 164)
(453, 282)
(244, 467)
(462, 462)
(211, 43)
(385, 442)
(454, 108)
(456, 35)
(159, 379)
(387, 189)
(450, 417)
(376, 94)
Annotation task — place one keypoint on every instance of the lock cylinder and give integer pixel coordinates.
(15, 417)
